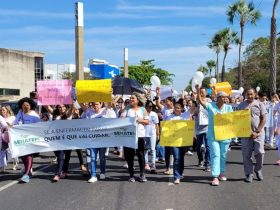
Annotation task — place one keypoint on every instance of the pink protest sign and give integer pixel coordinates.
(54, 92)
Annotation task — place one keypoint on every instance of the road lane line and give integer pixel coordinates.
(16, 181)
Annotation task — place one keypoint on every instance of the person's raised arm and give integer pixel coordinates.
(70, 111)
(158, 104)
(49, 109)
(202, 102)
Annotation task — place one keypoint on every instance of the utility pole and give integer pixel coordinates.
(79, 40)
(125, 62)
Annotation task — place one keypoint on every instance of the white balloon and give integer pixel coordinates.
(213, 81)
(186, 93)
(241, 90)
(155, 81)
(153, 87)
(194, 83)
(199, 76)
(175, 93)
(153, 94)
(258, 89)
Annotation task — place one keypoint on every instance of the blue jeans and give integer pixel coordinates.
(152, 150)
(218, 154)
(178, 166)
(159, 151)
(102, 158)
(202, 139)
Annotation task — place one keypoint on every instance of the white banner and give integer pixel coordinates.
(72, 134)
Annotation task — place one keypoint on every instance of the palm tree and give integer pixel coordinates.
(203, 69)
(273, 31)
(245, 13)
(215, 44)
(210, 65)
(228, 37)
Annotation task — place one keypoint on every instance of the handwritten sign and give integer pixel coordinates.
(94, 90)
(233, 124)
(177, 133)
(54, 92)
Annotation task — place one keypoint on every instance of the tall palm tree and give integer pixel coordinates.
(244, 13)
(273, 31)
(210, 65)
(203, 69)
(215, 44)
(228, 37)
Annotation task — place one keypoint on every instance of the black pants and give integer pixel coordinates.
(67, 159)
(129, 154)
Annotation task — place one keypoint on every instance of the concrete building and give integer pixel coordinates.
(19, 72)
(56, 71)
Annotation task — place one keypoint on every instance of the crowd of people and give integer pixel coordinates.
(149, 112)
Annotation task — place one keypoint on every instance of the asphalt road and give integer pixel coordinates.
(194, 192)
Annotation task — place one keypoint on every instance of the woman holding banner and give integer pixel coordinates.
(218, 149)
(26, 115)
(60, 113)
(137, 110)
(178, 152)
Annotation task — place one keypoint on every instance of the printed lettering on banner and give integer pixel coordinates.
(72, 134)
(94, 90)
(233, 124)
(54, 92)
(177, 133)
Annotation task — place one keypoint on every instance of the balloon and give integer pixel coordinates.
(155, 81)
(153, 87)
(199, 76)
(186, 93)
(213, 81)
(258, 89)
(194, 83)
(241, 90)
(175, 93)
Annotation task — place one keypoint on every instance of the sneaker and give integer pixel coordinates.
(215, 182)
(177, 181)
(249, 178)
(92, 179)
(125, 165)
(24, 179)
(167, 172)
(143, 178)
(259, 175)
(56, 178)
(102, 176)
(200, 164)
(131, 179)
(207, 169)
(54, 161)
(189, 153)
(222, 177)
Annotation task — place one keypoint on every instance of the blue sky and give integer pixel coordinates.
(173, 32)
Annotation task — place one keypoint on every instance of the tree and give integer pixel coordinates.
(210, 65)
(245, 13)
(273, 31)
(227, 37)
(72, 76)
(215, 44)
(203, 69)
(143, 73)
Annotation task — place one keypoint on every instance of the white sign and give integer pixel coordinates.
(72, 134)
(203, 117)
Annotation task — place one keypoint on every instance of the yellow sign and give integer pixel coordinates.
(233, 124)
(177, 133)
(94, 90)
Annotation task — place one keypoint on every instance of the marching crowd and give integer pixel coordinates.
(149, 112)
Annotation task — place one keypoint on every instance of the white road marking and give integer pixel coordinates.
(16, 181)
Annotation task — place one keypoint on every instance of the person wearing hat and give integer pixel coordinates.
(218, 149)
(255, 143)
(136, 109)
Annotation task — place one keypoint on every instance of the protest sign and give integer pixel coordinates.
(94, 90)
(177, 133)
(233, 124)
(54, 92)
(72, 134)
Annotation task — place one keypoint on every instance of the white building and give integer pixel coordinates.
(55, 71)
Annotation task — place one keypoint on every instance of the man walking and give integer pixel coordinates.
(255, 143)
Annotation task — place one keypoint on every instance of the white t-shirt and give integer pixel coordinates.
(10, 120)
(187, 115)
(151, 128)
(138, 114)
(109, 113)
